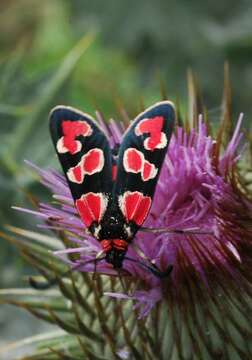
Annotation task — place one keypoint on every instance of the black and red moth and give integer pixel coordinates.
(113, 196)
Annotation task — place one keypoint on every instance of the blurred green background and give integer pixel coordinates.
(104, 55)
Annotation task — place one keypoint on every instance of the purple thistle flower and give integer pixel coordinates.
(199, 192)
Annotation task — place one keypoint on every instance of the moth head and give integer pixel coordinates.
(115, 257)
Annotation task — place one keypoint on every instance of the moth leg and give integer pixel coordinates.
(141, 253)
(151, 262)
(97, 258)
(193, 231)
(122, 283)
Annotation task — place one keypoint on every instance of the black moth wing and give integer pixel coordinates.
(97, 182)
(140, 159)
(85, 156)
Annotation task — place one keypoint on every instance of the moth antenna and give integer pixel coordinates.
(193, 231)
(97, 258)
(99, 255)
(51, 282)
(152, 268)
(139, 251)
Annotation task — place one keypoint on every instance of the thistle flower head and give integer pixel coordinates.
(198, 198)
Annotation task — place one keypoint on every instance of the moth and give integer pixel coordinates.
(113, 190)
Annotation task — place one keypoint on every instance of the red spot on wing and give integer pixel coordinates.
(91, 207)
(149, 171)
(114, 172)
(92, 162)
(153, 127)
(72, 129)
(78, 174)
(135, 206)
(134, 161)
